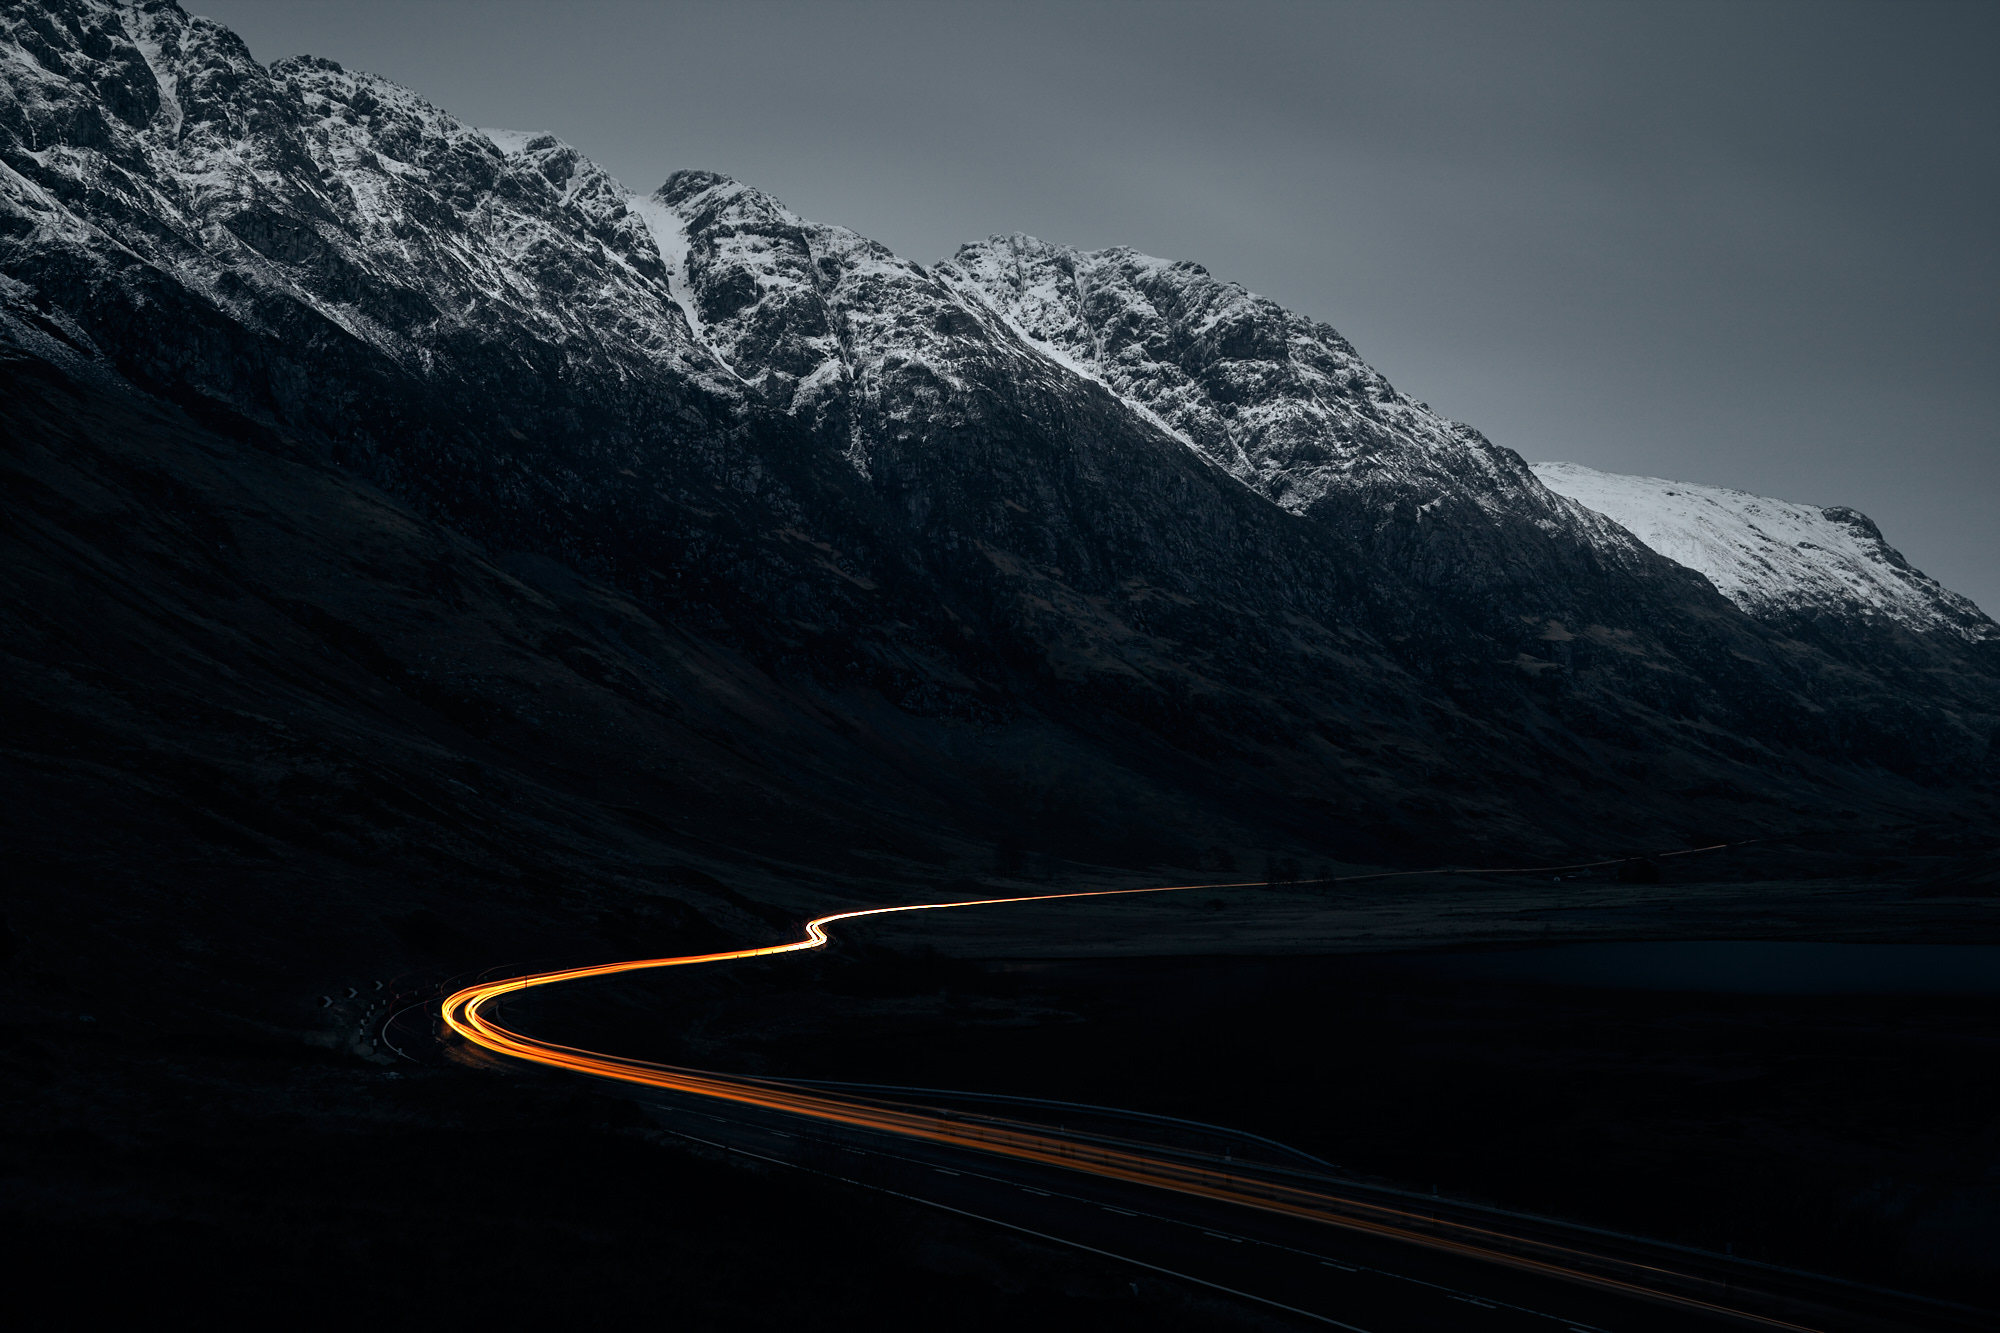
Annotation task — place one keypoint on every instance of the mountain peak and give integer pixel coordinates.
(1778, 560)
(690, 181)
(1286, 405)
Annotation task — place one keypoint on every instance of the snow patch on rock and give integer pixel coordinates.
(511, 142)
(671, 239)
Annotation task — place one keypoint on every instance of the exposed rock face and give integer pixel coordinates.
(341, 193)
(1027, 512)
(835, 328)
(1782, 562)
(1286, 406)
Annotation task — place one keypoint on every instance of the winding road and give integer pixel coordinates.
(990, 1161)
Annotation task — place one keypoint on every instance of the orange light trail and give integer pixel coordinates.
(464, 1013)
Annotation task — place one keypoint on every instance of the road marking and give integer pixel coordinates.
(941, 1171)
(781, 1134)
(1345, 1268)
(856, 1151)
(1474, 1300)
(1120, 1211)
(1026, 1190)
(1234, 1240)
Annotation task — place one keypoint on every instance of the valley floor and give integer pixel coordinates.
(212, 1157)
(1848, 1134)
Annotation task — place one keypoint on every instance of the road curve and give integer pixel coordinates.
(467, 1013)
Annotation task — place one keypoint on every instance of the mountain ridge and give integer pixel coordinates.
(872, 480)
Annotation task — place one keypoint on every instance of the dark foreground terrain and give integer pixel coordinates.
(1845, 1134)
(207, 1157)
(238, 1179)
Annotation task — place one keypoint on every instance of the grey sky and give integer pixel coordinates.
(1739, 243)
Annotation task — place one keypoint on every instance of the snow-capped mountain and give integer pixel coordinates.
(827, 325)
(1778, 560)
(1278, 401)
(339, 192)
(843, 334)
(1089, 496)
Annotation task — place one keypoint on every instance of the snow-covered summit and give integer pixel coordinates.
(827, 325)
(1287, 406)
(1776, 559)
(305, 186)
(1279, 401)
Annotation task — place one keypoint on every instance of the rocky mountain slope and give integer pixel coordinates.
(1285, 405)
(1088, 554)
(826, 323)
(1779, 561)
